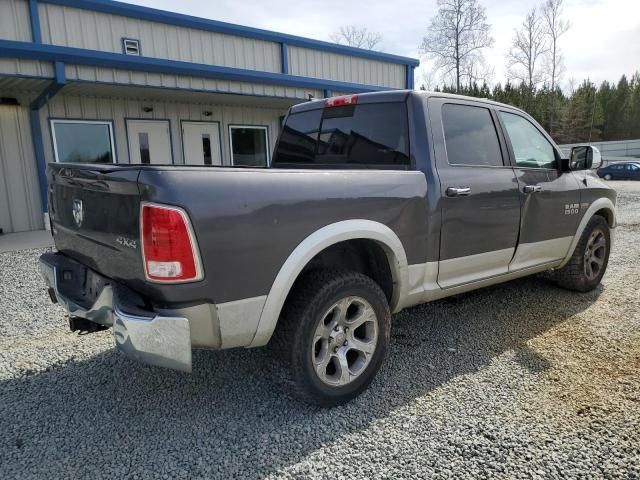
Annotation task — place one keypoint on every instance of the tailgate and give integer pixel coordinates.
(94, 211)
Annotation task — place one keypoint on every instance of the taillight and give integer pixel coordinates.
(169, 249)
(340, 101)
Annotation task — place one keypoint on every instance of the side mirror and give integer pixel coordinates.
(584, 157)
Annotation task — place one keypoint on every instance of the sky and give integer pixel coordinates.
(602, 43)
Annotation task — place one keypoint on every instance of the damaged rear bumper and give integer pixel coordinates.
(142, 334)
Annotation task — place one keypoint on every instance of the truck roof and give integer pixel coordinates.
(397, 96)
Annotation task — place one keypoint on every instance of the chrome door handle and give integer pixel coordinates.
(532, 189)
(458, 191)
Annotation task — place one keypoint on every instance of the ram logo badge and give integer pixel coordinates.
(78, 212)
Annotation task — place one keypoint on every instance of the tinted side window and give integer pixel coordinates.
(530, 147)
(299, 138)
(372, 135)
(470, 136)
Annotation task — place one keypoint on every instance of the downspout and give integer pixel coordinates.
(34, 16)
(409, 77)
(34, 114)
(36, 132)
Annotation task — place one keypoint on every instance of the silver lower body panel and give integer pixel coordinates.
(147, 336)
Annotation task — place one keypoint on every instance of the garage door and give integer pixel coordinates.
(19, 191)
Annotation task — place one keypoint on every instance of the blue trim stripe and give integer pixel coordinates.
(410, 76)
(61, 74)
(36, 130)
(34, 17)
(78, 56)
(188, 21)
(53, 88)
(284, 56)
(41, 163)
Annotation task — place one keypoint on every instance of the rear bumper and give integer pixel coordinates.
(147, 336)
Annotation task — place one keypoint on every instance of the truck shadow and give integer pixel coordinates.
(231, 419)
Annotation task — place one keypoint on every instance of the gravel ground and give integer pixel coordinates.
(521, 380)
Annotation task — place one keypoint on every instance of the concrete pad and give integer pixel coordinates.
(12, 242)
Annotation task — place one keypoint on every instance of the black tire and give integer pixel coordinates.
(314, 294)
(573, 275)
(607, 176)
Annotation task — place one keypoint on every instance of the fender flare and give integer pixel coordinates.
(599, 204)
(314, 244)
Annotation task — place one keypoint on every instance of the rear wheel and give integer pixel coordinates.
(589, 261)
(334, 335)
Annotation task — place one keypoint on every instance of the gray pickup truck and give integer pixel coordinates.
(372, 203)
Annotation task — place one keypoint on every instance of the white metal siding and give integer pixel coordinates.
(344, 68)
(118, 110)
(15, 20)
(78, 28)
(19, 188)
(28, 68)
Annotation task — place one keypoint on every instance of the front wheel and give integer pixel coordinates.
(589, 261)
(608, 176)
(334, 335)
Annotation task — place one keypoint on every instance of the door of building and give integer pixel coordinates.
(149, 141)
(201, 143)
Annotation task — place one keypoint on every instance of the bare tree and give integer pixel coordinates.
(356, 36)
(428, 79)
(555, 28)
(456, 36)
(478, 72)
(528, 47)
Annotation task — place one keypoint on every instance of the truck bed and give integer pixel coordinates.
(242, 219)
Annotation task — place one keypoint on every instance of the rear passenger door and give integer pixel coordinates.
(550, 199)
(480, 203)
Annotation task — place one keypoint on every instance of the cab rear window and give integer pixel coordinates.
(370, 135)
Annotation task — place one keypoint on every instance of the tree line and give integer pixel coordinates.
(586, 114)
(454, 43)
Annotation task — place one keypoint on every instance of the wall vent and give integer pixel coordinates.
(131, 46)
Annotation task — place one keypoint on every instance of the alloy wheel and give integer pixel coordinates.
(595, 254)
(344, 341)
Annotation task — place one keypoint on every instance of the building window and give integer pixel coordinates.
(143, 140)
(206, 148)
(249, 146)
(131, 46)
(80, 141)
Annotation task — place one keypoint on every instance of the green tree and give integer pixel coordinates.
(610, 112)
(582, 116)
(634, 110)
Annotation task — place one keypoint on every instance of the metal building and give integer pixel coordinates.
(105, 81)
